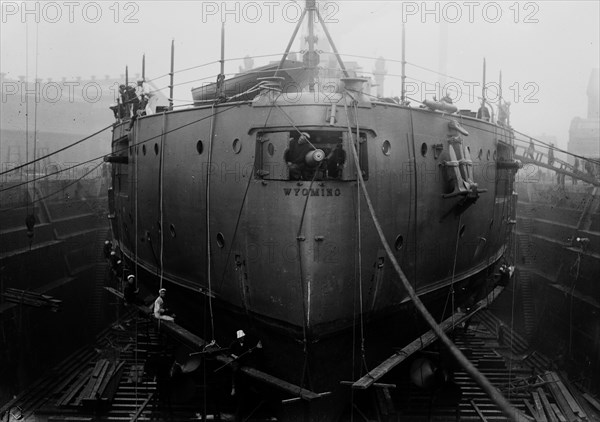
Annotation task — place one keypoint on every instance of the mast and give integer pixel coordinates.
(172, 74)
(144, 67)
(403, 78)
(500, 88)
(311, 57)
(221, 78)
(333, 47)
(483, 87)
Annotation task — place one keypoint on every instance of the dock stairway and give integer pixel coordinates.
(527, 258)
(100, 271)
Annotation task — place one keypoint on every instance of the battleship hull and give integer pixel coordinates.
(203, 204)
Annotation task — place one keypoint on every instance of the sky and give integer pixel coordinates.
(545, 49)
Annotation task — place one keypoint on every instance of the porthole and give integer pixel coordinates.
(144, 149)
(424, 149)
(469, 150)
(199, 147)
(386, 148)
(270, 149)
(172, 230)
(155, 149)
(399, 242)
(220, 240)
(237, 146)
(495, 155)
(488, 155)
(461, 232)
(480, 154)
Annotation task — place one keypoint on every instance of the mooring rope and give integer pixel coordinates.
(478, 377)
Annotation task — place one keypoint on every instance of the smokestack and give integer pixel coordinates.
(379, 75)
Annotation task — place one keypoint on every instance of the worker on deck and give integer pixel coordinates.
(160, 310)
(130, 292)
(124, 102)
(295, 158)
(503, 113)
(483, 113)
(335, 162)
(530, 150)
(551, 154)
(107, 248)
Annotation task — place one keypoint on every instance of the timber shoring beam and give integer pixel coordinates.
(194, 340)
(425, 340)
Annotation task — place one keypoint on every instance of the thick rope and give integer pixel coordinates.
(512, 413)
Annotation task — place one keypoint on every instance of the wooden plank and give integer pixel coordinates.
(92, 381)
(279, 383)
(114, 370)
(573, 393)
(100, 379)
(538, 407)
(592, 401)
(559, 398)
(569, 397)
(111, 388)
(546, 404)
(67, 381)
(425, 340)
(179, 331)
(194, 340)
(107, 376)
(376, 384)
(558, 413)
(114, 292)
(70, 393)
(532, 410)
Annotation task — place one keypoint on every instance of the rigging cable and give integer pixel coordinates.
(357, 143)
(26, 122)
(35, 105)
(161, 170)
(305, 293)
(136, 289)
(414, 198)
(451, 291)
(66, 186)
(299, 237)
(57, 151)
(471, 370)
(207, 200)
(97, 158)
